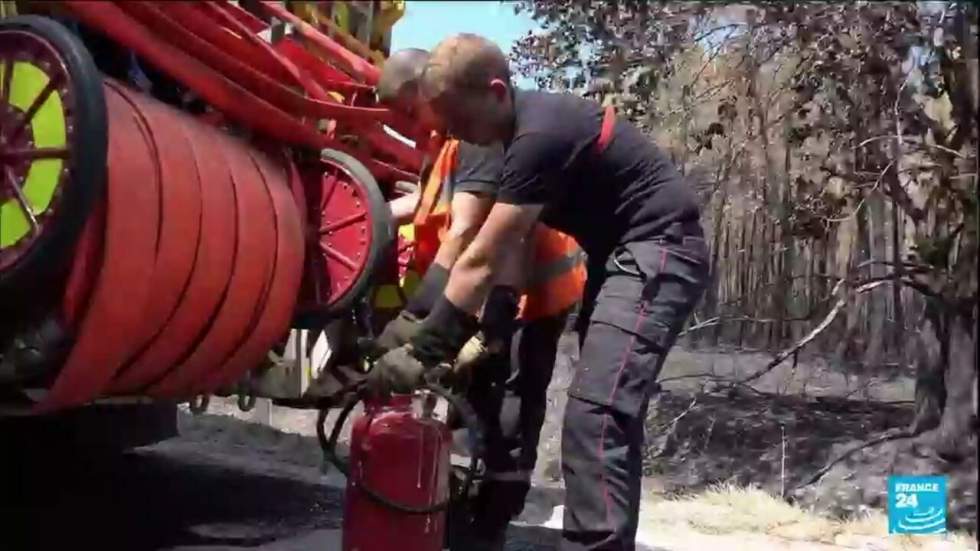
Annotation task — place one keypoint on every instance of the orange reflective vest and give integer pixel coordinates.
(390, 295)
(432, 214)
(557, 276)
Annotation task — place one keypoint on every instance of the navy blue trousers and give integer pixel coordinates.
(637, 302)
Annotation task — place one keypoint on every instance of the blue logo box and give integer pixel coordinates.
(916, 504)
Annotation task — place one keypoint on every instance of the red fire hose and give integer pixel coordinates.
(189, 251)
(232, 96)
(202, 255)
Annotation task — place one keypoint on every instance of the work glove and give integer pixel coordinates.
(472, 356)
(473, 352)
(398, 331)
(500, 314)
(401, 329)
(443, 333)
(439, 339)
(498, 327)
(397, 371)
(476, 351)
(429, 291)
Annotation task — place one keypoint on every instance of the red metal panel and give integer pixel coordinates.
(356, 66)
(226, 95)
(197, 21)
(103, 340)
(221, 12)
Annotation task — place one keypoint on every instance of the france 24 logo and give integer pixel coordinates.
(916, 504)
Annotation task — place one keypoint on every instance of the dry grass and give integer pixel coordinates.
(731, 518)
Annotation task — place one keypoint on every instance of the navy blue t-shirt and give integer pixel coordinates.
(631, 192)
(478, 169)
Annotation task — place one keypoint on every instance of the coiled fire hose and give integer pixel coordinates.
(462, 408)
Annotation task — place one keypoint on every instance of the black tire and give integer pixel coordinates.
(88, 145)
(382, 241)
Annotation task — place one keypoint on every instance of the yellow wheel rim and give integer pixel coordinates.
(28, 88)
(53, 148)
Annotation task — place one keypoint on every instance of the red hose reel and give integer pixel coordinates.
(194, 250)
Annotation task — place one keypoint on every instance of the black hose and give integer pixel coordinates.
(470, 420)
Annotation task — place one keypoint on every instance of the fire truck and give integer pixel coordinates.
(193, 203)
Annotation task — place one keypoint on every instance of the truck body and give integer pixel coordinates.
(111, 230)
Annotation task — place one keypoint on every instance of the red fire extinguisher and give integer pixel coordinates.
(398, 481)
(399, 471)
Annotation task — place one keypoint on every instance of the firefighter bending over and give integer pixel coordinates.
(453, 201)
(578, 168)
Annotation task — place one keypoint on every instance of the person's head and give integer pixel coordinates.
(399, 85)
(467, 85)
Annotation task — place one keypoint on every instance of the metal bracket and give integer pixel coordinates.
(302, 369)
(199, 404)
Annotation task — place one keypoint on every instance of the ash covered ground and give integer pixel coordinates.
(256, 480)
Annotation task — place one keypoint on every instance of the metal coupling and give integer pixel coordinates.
(246, 400)
(199, 404)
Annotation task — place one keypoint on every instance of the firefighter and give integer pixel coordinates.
(510, 396)
(576, 167)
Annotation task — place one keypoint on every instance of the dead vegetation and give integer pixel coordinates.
(731, 517)
(834, 146)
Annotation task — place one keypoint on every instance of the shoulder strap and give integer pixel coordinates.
(606, 133)
(432, 186)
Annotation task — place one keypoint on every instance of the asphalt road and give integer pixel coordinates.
(224, 484)
(181, 495)
(151, 501)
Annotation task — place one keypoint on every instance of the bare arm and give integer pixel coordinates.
(528, 181)
(513, 268)
(469, 211)
(403, 208)
(501, 235)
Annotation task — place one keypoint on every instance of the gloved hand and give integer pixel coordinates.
(403, 328)
(500, 312)
(397, 371)
(472, 354)
(498, 327)
(443, 333)
(398, 331)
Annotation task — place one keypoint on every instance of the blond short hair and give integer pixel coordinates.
(463, 61)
